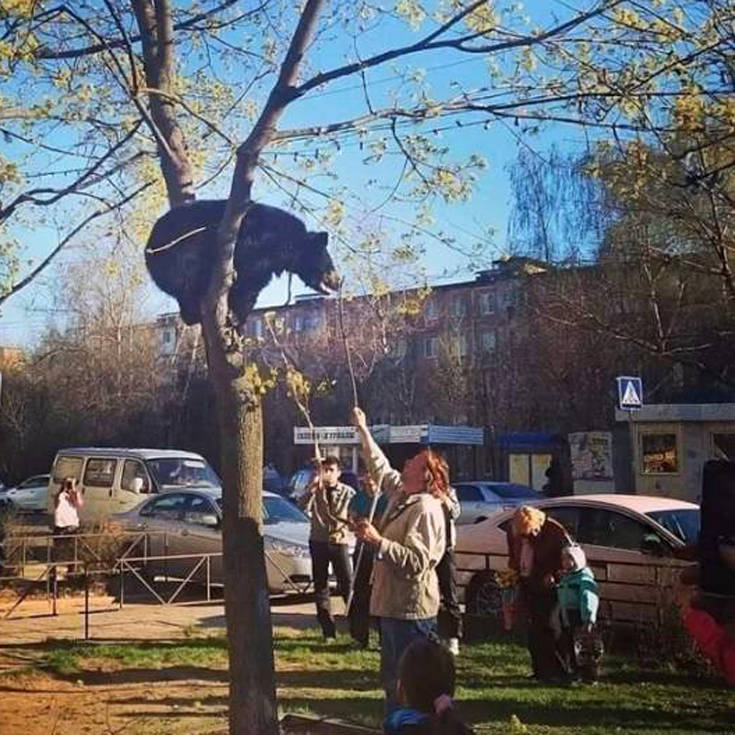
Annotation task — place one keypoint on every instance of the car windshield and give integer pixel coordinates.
(277, 510)
(513, 491)
(682, 522)
(182, 472)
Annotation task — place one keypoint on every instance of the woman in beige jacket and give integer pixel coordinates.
(409, 540)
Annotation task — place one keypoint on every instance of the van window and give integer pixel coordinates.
(100, 472)
(182, 471)
(133, 469)
(67, 467)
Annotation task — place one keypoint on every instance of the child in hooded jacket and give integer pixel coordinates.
(578, 602)
(426, 679)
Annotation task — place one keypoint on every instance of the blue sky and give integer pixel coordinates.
(25, 315)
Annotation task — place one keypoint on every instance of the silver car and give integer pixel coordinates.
(189, 522)
(479, 499)
(31, 494)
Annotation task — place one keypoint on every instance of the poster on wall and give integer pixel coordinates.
(591, 455)
(518, 468)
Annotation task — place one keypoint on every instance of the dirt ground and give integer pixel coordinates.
(106, 699)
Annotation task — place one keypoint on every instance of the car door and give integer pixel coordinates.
(201, 533)
(135, 485)
(633, 584)
(97, 483)
(161, 519)
(470, 502)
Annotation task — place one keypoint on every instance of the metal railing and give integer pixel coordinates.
(32, 560)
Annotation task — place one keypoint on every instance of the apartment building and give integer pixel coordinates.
(465, 319)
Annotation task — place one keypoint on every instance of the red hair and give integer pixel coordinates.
(437, 473)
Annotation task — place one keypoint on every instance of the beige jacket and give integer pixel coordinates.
(328, 513)
(405, 585)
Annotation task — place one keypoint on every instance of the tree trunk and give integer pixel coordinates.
(247, 604)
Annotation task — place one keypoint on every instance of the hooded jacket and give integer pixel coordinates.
(577, 590)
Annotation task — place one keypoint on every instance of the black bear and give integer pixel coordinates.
(179, 255)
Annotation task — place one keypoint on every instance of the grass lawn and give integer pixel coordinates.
(334, 680)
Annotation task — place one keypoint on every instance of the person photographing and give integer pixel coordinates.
(409, 541)
(67, 502)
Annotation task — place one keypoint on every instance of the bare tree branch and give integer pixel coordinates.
(47, 260)
(429, 43)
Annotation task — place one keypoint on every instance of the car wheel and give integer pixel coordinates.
(485, 596)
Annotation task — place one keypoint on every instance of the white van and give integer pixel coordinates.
(114, 480)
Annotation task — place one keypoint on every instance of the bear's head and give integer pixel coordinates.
(314, 265)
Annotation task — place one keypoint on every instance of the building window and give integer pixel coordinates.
(488, 341)
(431, 347)
(458, 307)
(258, 328)
(430, 310)
(298, 323)
(487, 303)
(659, 454)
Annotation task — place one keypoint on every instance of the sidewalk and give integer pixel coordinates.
(33, 620)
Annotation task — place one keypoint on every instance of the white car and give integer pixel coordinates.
(189, 522)
(629, 541)
(31, 494)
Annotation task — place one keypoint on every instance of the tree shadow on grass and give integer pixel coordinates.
(203, 702)
(608, 715)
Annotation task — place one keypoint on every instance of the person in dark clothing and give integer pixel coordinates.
(326, 502)
(450, 617)
(554, 486)
(426, 682)
(363, 557)
(535, 543)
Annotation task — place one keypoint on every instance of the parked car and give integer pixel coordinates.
(629, 541)
(272, 481)
(190, 522)
(479, 499)
(29, 495)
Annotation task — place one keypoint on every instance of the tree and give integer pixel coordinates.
(125, 94)
(656, 275)
(650, 198)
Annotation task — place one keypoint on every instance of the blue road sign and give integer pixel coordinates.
(630, 393)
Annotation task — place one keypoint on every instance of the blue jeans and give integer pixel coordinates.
(396, 635)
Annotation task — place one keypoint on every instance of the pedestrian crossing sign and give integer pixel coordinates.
(630, 393)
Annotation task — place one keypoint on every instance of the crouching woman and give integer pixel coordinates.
(409, 541)
(535, 543)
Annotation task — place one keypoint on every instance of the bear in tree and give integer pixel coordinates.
(180, 255)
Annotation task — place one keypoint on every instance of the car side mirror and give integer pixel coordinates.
(210, 521)
(653, 545)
